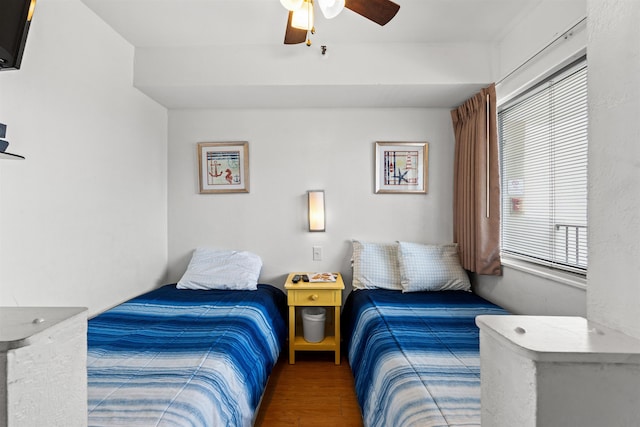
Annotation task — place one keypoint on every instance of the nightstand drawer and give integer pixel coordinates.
(314, 297)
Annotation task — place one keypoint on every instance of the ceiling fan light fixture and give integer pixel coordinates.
(331, 8)
(303, 17)
(291, 5)
(300, 21)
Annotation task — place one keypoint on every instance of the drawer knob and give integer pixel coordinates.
(314, 297)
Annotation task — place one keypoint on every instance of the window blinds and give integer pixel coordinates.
(543, 143)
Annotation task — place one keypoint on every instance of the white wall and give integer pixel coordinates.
(352, 75)
(83, 218)
(547, 21)
(518, 290)
(614, 164)
(292, 151)
(522, 292)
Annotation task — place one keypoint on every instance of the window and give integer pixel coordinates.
(543, 148)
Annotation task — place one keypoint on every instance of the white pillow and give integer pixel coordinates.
(375, 266)
(220, 269)
(431, 268)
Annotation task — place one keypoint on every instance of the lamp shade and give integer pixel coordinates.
(316, 210)
(303, 17)
(331, 8)
(291, 5)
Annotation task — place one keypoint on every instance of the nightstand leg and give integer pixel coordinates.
(292, 334)
(336, 316)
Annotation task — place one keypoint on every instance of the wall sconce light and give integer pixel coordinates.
(316, 210)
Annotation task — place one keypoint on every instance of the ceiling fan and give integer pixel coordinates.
(300, 21)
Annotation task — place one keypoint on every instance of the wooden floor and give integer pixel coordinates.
(315, 392)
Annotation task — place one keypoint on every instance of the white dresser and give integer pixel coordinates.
(545, 371)
(43, 366)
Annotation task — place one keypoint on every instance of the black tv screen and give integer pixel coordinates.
(15, 18)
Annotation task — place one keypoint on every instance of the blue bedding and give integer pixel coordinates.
(184, 357)
(415, 356)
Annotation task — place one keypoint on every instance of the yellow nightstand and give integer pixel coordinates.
(323, 294)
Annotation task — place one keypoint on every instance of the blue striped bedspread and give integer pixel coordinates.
(415, 356)
(184, 357)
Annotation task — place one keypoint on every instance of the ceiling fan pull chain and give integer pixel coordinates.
(309, 24)
(313, 31)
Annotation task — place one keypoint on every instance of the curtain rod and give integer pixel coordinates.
(488, 106)
(564, 35)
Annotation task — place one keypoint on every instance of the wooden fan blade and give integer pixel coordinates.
(294, 35)
(379, 11)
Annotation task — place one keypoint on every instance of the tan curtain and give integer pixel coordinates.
(476, 202)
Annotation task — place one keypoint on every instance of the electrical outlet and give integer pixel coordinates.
(317, 253)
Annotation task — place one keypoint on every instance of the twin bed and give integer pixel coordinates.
(411, 338)
(184, 357)
(193, 354)
(415, 357)
(200, 354)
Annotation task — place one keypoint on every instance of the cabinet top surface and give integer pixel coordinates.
(559, 338)
(19, 324)
(338, 284)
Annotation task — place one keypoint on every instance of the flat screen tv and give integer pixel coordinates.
(15, 18)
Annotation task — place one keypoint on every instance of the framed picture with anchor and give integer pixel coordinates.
(223, 167)
(401, 167)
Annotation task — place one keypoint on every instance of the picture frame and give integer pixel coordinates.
(401, 167)
(223, 167)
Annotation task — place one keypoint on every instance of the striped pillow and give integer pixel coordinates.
(431, 268)
(375, 266)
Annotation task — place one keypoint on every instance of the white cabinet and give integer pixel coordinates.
(545, 371)
(43, 366)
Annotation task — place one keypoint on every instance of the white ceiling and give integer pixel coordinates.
(248, 25)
